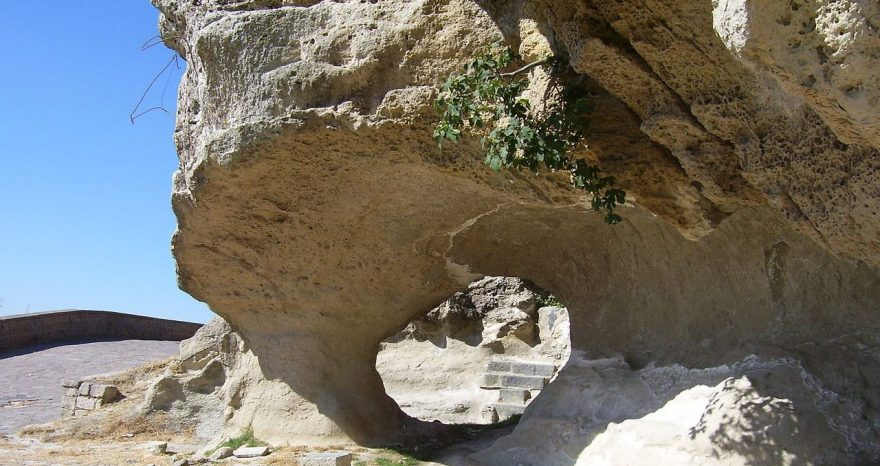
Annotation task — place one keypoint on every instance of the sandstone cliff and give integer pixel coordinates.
(318, 218)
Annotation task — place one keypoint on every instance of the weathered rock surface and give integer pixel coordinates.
(318, 218)
(194, 388)
(220, 453)
(601, 411)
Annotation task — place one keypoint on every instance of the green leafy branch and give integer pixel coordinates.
(515, 135)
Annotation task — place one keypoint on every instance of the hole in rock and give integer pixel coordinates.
(481, 356)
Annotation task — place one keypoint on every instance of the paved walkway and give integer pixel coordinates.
(30, 378)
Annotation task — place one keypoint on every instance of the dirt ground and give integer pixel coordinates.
(118, 434)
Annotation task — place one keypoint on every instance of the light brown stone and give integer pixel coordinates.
(317, 216)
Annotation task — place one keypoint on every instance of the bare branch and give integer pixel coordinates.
(155, 40)
(134, 113)
(526, 68)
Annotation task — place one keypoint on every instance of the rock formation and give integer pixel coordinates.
(437, 367)
(318, 218)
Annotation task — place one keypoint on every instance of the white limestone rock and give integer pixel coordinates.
(250, 452)
(327, 458)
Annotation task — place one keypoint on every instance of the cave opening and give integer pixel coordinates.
(480, 357)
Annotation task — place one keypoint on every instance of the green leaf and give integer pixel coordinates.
(516, 136)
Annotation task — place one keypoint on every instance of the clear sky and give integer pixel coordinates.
(85, 213)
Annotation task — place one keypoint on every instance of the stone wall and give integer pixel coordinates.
(81, 397)
(22, 330)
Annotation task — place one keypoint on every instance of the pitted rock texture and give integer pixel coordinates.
(317, 216)
(743, 133)
(824, 52)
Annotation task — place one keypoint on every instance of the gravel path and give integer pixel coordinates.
(30, 379)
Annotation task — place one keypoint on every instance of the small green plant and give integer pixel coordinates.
(486, 99)
(244, 439)
(408, 461)
(548, 300)
(404, 460)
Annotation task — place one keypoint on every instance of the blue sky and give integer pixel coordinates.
(85, 214)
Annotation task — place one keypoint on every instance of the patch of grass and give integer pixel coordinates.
(391, 458)
(244, 439)
(406, 461)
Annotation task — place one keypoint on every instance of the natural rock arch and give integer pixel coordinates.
(317, 217)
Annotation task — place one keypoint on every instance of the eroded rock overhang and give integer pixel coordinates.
(318, 217)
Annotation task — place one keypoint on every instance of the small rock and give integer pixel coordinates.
(105, 392)
(251, 452)
(326, 458)
(127, 435)
(183, 462)
(86, 403)
(156, 448)
(220, 453)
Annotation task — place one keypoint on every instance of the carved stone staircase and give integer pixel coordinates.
(517, 382)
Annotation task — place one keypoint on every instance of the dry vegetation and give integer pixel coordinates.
(119, 433)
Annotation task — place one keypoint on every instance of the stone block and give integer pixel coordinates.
(86, 403)
(71, 391)
(533, 368)
(513, 381)
(70, 384)
(507, 411)
(68, 405)
(513, 396)
(84, 388)
(491, 381)
(105, 393)
(251, 452)
(498, 366)
(326, 458)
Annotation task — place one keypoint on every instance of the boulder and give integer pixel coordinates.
(220, 453)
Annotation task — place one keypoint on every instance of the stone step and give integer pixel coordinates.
(534, 368)
(521, 368)
(513, 396)
(504, 412)
(500, 381)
